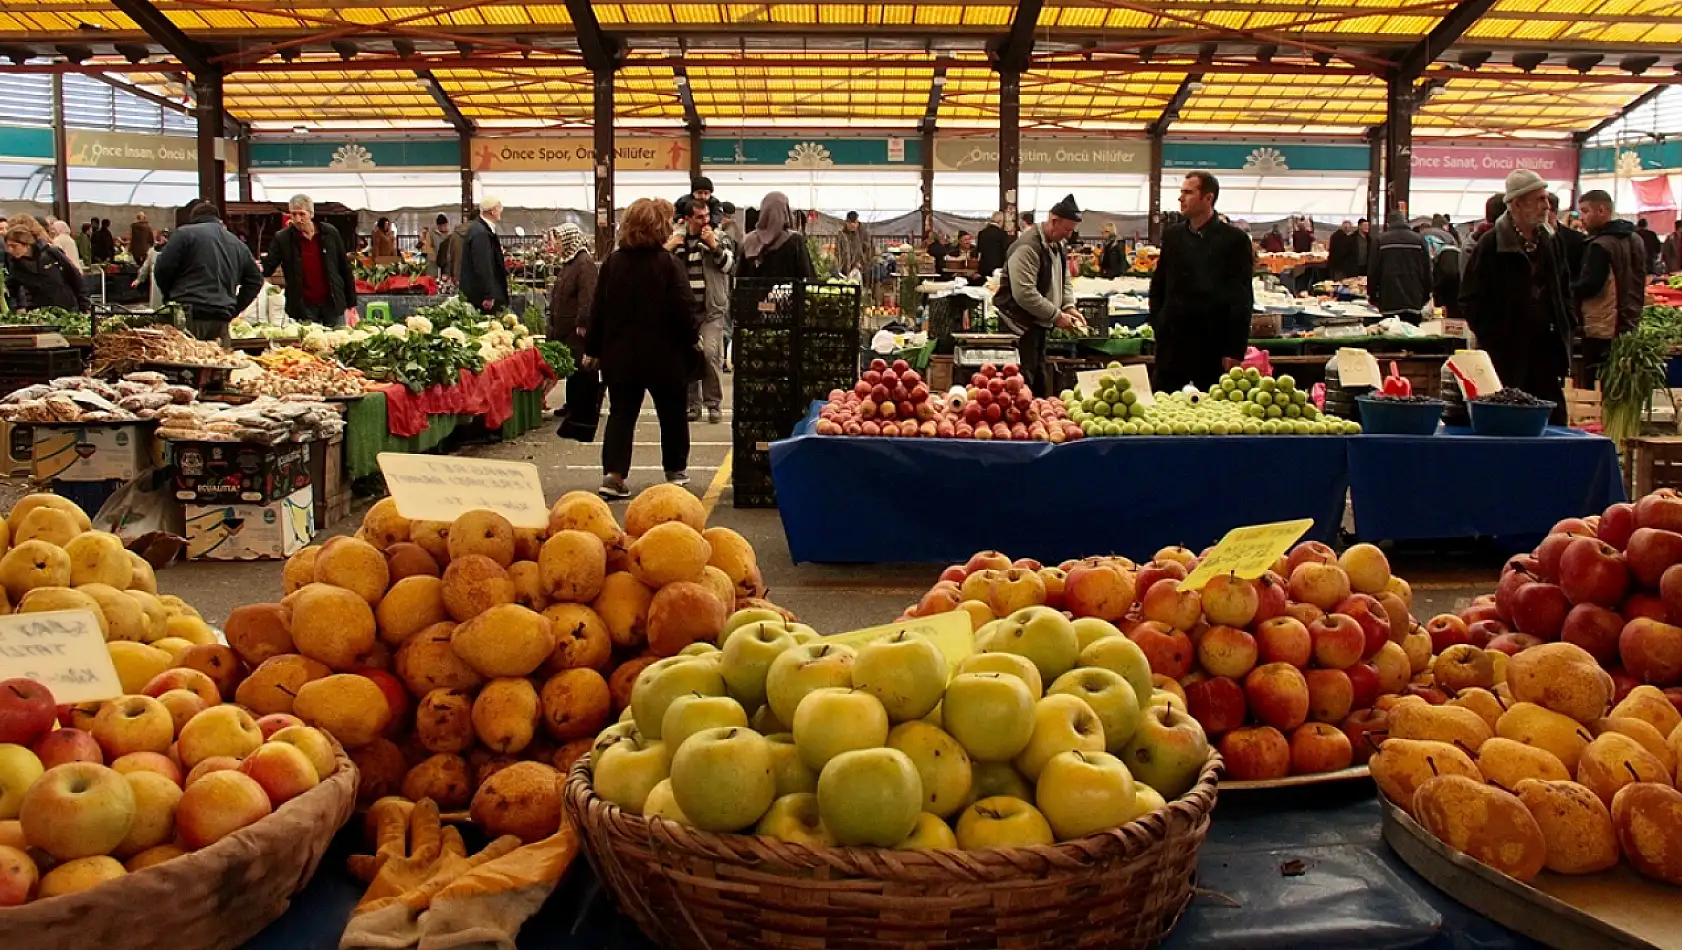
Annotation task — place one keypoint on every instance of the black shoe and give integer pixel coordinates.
(695, 414)
(677, 478)
(613, 488)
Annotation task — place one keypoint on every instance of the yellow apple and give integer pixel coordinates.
(906, 672)
(1082, 793)
(688, 715)
(870, 797)
(77, 810)
(941, 762)
(1009, 663)
(1061, 723)
(931, 834)
(795, 817)
(1002, 823)
(217, 805)
(627, 770)
(19, 768)
(990, 714)
(722, 778)
(833, 720)
(133, 724)
(804, 668)
(219, 730)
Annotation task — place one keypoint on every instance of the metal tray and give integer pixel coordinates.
(1613, 910)
(1352, 774)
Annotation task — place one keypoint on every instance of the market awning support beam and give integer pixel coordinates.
(452, 112)
(1188, 86)
(1445, 34)
(188, 51)
(61, 155)
(1613, 119)
(1154, 186)
(1400, 99)
(1010, 55)
(1375, 170)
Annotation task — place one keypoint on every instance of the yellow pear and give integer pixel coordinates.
(1562, 677)
(1506, 763)
(1641, 731)
(1545, 729)
(1482, 702)
(52, 525)
(29, 503)
(1451, 724)
(136, 663)
(1483, 822)
(1614, 760)
(32, 564)
(1401, 766)
(1576, 824)
(141, 575)
(1650, 704)
(99, 558)
(663, 504)
(44, 599)
(124, 618)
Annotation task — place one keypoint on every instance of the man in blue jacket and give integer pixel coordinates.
(209, 272)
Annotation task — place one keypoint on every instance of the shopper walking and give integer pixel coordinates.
(383, 245)
(1036, 295)
(449, 250)
(1400, 282)
(62, 240)
(1341, 256)
(104, 243)
(574, 289)
(431, 239)
(140, 238)
(1112, 254)
(320, 286)
(209, 272)
(708, 260)
(1670, 253)
(643, 335)
(772, 250)
(1273, 242)
(38, 274)
(1611, 287)
(992, 245)
(154, 298)
(1200, 292)
(1513, 295)
(853, 251)
(484, 270)
(1302, 239)
(729, 225)
(1363, 246)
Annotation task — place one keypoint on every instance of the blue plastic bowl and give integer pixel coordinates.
(1388, 417)
(1493, 418)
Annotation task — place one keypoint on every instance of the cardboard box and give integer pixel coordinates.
(272, 531)
(91, 453)
(220, 473)
(19, 442)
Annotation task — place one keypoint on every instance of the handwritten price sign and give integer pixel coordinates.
(64, 651)
(442, 488)
(1248, 552)
(951, 631)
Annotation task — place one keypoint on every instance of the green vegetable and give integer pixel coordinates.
(558, 355)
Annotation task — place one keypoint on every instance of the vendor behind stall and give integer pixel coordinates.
(1036, 294)
(319, 284)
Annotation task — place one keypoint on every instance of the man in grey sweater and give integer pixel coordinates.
(1037, 293)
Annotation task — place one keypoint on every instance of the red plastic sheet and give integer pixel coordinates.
(489, 394)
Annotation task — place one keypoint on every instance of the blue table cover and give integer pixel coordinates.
(876, 500)
(1353, 894)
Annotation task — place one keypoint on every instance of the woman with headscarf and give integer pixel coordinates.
(66, 242)
(575, 285)
(773, 250)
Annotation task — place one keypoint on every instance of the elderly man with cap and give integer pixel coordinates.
(1200, 291)
(1036, 294)
(484, 269)
(1513, 294)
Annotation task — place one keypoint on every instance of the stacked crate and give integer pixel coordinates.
(792, 343)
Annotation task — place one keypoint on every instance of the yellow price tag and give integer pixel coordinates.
(952, 631)
(1248, 552)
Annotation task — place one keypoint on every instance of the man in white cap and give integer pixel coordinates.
(484, 271)
(1513, 295)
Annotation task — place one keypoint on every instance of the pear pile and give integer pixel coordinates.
(1048, 734)
(1545, 773)
(440, 654)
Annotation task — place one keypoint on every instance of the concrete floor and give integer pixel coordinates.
(833, 598)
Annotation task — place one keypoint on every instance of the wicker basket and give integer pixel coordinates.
(692, 890)
(214, 899)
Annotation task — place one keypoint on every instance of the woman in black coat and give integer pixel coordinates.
(773, 250)
(645, 337)
(39, 275)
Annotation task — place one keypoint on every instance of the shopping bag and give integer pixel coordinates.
(583, 410)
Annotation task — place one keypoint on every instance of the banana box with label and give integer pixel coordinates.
(238, 532)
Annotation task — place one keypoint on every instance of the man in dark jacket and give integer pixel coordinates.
(1201, 293)
(484, 271)
(1649, 240)
(140, 238)
(1514, 297)
(1611, 287)
(992, 246)
(209, 271)
(39, 274)
(1571, 242)
(1036, 294)
(1399, 281)
(1340, 252)
(319, 284)
(104, 243)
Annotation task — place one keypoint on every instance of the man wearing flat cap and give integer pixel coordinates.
(1513, 295)
(1200, 291)
(1036, 294)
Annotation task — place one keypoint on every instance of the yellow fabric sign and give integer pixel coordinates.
(1248, 552)
(442, 488)
(64, 651)
(951, 631)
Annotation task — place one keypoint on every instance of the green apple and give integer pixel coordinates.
(742, 618)
(698, 648)
(1110, 696)
(1163, 697)
(1043, 635)
(664, 681)
(627, 771)
(662, 804)
(803, 634)
(1168, 751)
(622, 731)
(722, 778)
(794, 817)
(19, 768)
(1121, 655)
(627, 715)
(804, 668)
(1145, 801)
(993, 779)
(834, 720)
(1091, 629)
(1017, 666)
(688, 715)
(766, 723)
(930, 834)
(907, 672)
(870, 797)
(747, 658)
(933, 718)
(1061, 723)
(791, 774)
(942, 765)
(1002, 823)
(990, 714)
(1083, 793)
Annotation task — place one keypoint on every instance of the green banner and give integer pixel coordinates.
(20, 144)
(812, 153)
(1632, 160)
(1264, 158)
(343, 155)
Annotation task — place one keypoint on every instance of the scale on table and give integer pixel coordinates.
(971, 351)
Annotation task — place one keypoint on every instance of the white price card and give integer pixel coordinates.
(1135, 374)
(442, 488)
(1357, 367)
(63, 650)
(1477, 368)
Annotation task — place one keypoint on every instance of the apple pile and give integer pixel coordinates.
(1048, 734)
(1543, 771)
(1287, 676)
(895, 402)
(470, 662)
(152, 776)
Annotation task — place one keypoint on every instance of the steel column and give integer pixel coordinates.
(604, 161)
(207, 90)
(1398, 146)
(1375, 173)
(1010, 144)
(61, 155)
(1154, 186)
(467, 176)
(928, 182)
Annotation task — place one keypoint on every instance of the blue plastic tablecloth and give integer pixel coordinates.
(875, 500)
(1457, 484)
(1353, 893)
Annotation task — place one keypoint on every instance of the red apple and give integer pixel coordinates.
(1323, 585)
(1508, 587)
(1309, 552)
(956, 574)
(1370, 614)
(1099, 588)
(1305, 614)
(1330, 695)
(1649, 553)
(1256, 753)
(1646, 605)
(1483, 611)
(1217, 703)
(1339, 642)
(1514, 643)
(1169, 651)
(1165, 603)
(1548, 554)
(1576, 526)
(1431, 694)
(1227, 651)
(396, 697)
(1284, 640)
(1319, 747)
(986, 560)
(26, 710)
(1539, 609)
(1366, 684)
(1672, 693)
(1278, 695)
(1486, 630)
(1446, 630)
(1595, 629)
(1617, 523)
(1160, 571)
(68, 745)
(1230, 600)
(1271, 598)
(1622, 683)
(1055, 583)
(1361, 724)
(1661, 509)
(1652, 651)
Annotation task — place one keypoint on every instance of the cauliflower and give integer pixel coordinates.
(418, 325)
(453, 334)
(509, 320)
(397, 331)
(359, 335)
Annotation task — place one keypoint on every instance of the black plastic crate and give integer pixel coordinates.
(764, 303)
(830, 306)
(753, 431)
(1096, 312)
(751, 498)
(763, 351)
(825, 350)
(28, 367)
